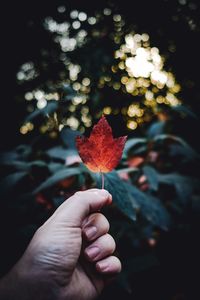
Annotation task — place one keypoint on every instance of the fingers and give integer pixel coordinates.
(95, 229)
(109, 265)
(102, 247)
(76, 208)
(94, 226)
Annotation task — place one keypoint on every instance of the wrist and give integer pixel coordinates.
(26, 283)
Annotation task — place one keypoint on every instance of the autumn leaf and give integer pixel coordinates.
(101, 152)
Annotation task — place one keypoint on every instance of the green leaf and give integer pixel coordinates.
(55, 167)
(58, 200)
(38, 164)
(60, 152)
(67, 88)
(51, 107)
(128, 199)
(127, 170)
(68, 137)
(152, 177)
(8, 156)
(186, 148)
(121, 196)
(135, 144)
(56, 177)
(155, 129)
(24, 151)
(18, 165)
(67, 91)
(185, 110)
(21, 153)
(150, 207)
(23, 165)
(183, 151)
(184, 185)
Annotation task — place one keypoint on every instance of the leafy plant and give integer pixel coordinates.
(155, 188)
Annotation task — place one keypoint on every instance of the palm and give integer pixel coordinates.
(67, 263)
(85, 284)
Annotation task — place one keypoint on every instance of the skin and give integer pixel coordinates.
(70, 255)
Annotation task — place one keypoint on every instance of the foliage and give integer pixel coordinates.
(155, 189)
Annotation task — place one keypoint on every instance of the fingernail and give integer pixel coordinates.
(92, 252)
(103, 266)
(106, 193)
(90, 232)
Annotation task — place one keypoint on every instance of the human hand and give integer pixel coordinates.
(70, 256)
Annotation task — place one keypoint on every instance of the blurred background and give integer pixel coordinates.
(66, 63)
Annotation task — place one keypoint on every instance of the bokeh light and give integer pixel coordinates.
(137, 71)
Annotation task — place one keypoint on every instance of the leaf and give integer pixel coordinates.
(8, 156)
(121, 196)
(68, 137)
(101, 152)
(184, 151)
(24, 165)
(68, 92)
(185, 110)
(21, 152)
(54, 167)
(188, 149)
(58, 200)
(127, 170)
(38, 164)
(56, 177)
(155, 129)
(138, 143)
(184, 185)
(51, 107)
(152, 177)
(18, 165)
(150, 207)
(24, 151)
(61, 153)
(130, 199)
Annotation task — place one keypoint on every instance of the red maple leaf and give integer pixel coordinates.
(101, 152)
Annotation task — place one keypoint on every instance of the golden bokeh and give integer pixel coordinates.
(138, 70)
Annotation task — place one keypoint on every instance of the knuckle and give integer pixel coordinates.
(94, 217)
(106, 223)
(102, 221)
(99, 218)
(117, 263)
(78, 194)
(110, 242)
(116, 260)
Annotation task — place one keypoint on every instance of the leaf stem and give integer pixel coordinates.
(102, 180)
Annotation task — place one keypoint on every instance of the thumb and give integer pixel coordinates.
(76, 208)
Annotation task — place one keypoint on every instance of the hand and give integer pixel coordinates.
(70, 256)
